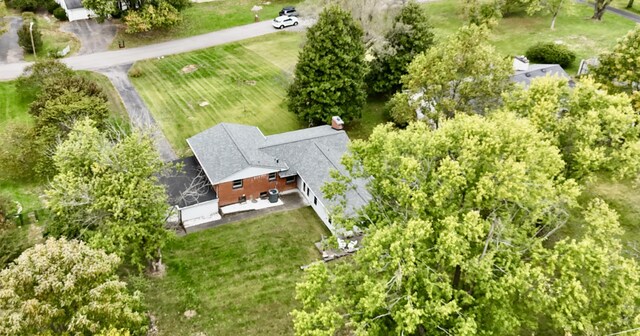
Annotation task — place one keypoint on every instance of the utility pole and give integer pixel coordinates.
(33, 46)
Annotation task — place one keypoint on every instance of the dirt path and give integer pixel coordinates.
(138, 112)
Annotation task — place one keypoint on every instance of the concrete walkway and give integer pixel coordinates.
(107, 59)
(138, 112)
(291, 201)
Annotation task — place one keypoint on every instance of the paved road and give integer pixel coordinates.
(10, 51)
(94, 37)
(136, 108)
(108, 59)
(620, 12)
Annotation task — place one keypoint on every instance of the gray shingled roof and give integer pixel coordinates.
(226, 149)
(539, 70)
(310, 153)
(73, 4)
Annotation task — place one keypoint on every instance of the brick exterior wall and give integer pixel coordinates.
(251, 186)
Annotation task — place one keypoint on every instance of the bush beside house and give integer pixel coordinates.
(551, 53)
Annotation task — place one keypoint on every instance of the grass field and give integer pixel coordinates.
(241, 82)
(53, 40)
(206, 17)
(240, 277)
(513, 35)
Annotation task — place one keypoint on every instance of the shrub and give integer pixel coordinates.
(28, 16)
(24, 38)
(60, 14)
(551, 53)
(51, 6)
(135, 72)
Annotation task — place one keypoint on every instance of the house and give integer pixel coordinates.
(241, 165)
(524, 72)
(75, 11)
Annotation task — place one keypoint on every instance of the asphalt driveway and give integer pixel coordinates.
(94, 37)
(10, 51)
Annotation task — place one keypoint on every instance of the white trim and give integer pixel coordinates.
(246, 173)
(320, 208)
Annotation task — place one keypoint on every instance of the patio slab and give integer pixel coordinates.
(249, 206)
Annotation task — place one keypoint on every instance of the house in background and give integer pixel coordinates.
(242, 165)
(524, 72)
(75, 11)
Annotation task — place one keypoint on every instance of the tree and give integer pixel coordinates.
(329, 75)
(409, 36)
(102, 8)
(552, 7)
(599, 7)
(457, 241)
(107, 193)
(595, 131)
(66, 287)
(374, 16)
(462, 74)
(35, 76)
(150, 17)
(629, 4)
(19, 152)
(620, 69)
(24, 38)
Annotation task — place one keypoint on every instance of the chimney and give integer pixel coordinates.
(520, 63)
(337, 123)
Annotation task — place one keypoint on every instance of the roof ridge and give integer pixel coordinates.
(299, 140)
(224, 126)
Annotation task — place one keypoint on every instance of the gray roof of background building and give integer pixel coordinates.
(311, 153)
(73, 4)
(539, 70)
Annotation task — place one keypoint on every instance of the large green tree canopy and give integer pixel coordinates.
(65, 287)
(329, 75)
(595, 131)
(457, 242)
(107, 193)
(409, 35)
(463, 74)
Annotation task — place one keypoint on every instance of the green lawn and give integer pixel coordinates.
(240, 277)
(53, 40)
(515, 34)
(206, 17)
(242, 82)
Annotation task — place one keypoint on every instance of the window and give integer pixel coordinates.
(272, 176)
(308, 191)
(315, 200)
(304, 186)
(291, 179)
(237, 184)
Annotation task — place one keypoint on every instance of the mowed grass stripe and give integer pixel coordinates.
(225, 79)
